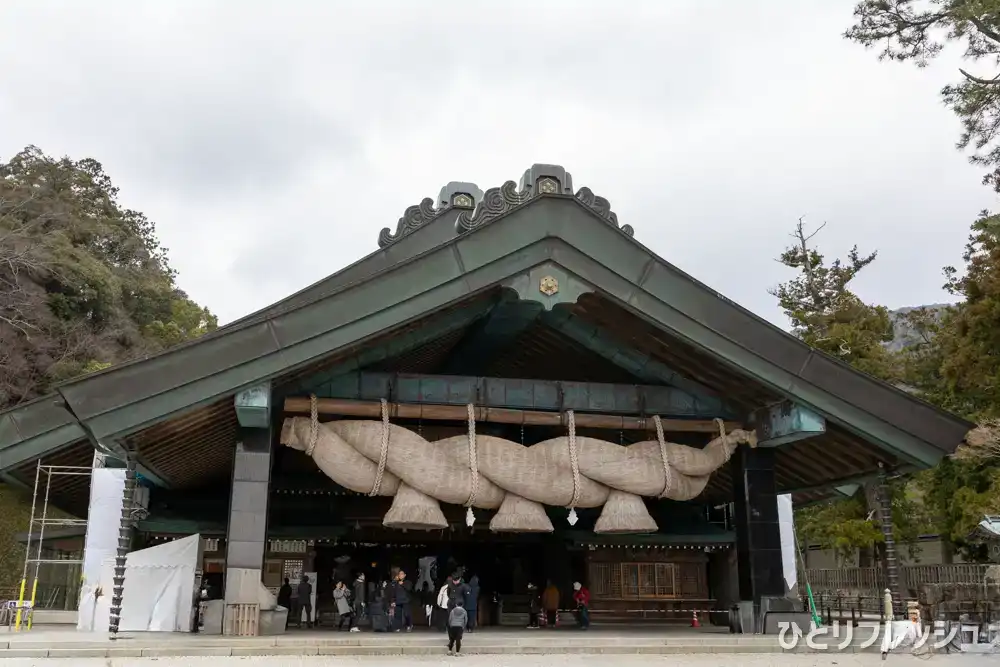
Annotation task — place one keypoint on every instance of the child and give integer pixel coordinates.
(457, 619)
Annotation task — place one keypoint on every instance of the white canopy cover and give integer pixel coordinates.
(159, 588)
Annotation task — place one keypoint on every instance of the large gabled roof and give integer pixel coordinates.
(444, 257)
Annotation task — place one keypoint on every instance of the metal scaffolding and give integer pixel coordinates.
(33, 564)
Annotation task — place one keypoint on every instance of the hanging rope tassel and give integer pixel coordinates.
(470, 516)
(574, 463)
(385, 450)
(663, 455)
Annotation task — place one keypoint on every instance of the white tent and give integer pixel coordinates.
(159, 588)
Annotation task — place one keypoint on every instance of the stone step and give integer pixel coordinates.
(405, 646)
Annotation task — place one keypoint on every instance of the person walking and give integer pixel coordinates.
(457, 619)
(440, 612)
(285, 599)
(457, 590)
(472, 602)
(304, 591)
(359, 601)
(550, 603)
(581, 596)
(534, 607)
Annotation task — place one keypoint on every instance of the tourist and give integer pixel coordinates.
(440, 613)
(457, 619)
(581, 596)
(377, 609)
(457, 590)
(400, 592)
(285, 599)
(550, 603)
(305, 591)
(342, 599)
(358, 601)
(534, 607)
(472, 602)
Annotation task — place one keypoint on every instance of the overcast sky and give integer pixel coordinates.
(270, 142)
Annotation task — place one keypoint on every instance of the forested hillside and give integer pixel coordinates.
(84, 284)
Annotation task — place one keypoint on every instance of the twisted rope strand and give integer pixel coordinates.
(722, 434)
(574, 461)
(385, 450)
(313, 425)
(473, 457)
(663, 455)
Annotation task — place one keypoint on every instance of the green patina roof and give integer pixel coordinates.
(428, 271)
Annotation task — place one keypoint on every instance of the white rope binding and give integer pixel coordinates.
(313, 425)
(470, 516)
(574, 463)
(663, 455)
(376, 487)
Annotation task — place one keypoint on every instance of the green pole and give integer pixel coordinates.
(817, 620)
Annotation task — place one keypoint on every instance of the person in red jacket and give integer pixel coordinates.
(581, 596)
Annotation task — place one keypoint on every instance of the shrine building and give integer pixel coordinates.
(472, 394)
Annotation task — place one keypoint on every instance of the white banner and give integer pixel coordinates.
(786, 526)
(107, 488)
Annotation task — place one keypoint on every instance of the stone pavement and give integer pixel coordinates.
(699, 660)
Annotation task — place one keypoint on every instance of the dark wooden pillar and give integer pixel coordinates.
(758, 536)
(891, 559)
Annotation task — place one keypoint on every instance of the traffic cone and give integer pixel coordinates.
(694, 620)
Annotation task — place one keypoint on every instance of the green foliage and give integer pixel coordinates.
(848, 525)
(84, 282)
(917, 31)
(826, 314)
(839, 525)
(957, 494)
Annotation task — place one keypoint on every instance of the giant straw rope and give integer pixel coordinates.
(379, 458)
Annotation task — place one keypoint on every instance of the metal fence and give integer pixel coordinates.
(871, 581)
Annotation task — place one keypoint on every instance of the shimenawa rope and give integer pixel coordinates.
(470, 516)
(663, 455)
(574, 462)
(313, 425)
(385, 449)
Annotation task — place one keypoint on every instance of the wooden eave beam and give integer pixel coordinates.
(351, 408)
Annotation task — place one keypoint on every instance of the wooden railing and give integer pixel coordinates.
(871, 580)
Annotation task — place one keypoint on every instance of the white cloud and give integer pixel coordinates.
(271, 143)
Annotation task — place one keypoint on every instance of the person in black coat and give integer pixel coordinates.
(472, 602)
(401, 591)
(457, 590)
(359, 600)
(285, 599)
(534, 606)
(378, 608)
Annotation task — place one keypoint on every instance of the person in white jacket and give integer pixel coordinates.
(441, 609)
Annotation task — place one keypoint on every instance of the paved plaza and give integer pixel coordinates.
(701, 660)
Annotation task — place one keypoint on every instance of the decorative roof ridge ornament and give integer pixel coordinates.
(456, 195)
(496, 202)
(414, 217)
(602, 207)
(538, 181)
